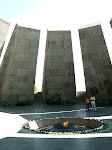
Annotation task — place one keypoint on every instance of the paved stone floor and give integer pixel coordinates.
(12, 137)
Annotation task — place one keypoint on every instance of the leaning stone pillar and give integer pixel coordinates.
(59, 77)
(97, 64)
(19, 66)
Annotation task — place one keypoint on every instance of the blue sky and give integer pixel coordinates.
(55, 12)
(13, 8)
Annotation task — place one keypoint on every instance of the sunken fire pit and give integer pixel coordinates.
(65, 125)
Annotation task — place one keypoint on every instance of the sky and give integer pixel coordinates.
(10, 9)
(57, 15)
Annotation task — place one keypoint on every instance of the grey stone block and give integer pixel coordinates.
(58, 37)
(51, 52)
(33, 51)
(88, 64)
(93, 71)
(60, 44)
(35, 34)
(57, 59)
(31, 80)
(17, 41)
(22, 72)
(67, 36)
(21, 78)
(25, 42)
(96, 52)
(31, 72)
(68, 52)
(34, 58)
(86, 57)
(23, 97)
(19, 64)
(82, 34)
(59, 68)
(83, 42)
(22, 64)
(33, 43)
(23, 57)
(22, 85)
(30, 91)
(90, 41)
(67, 58)
(27, 34)
(100, 40)
(30, 86)
(4, 98)
(68, 44)
(17, 91)
(49, 59)
(97, 30)
(52, 45)
(9, 77)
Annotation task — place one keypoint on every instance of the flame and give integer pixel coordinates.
(65, 124)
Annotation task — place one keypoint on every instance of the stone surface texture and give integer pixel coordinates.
(59, 79)
(111, 22)
(96, 63)
(17, 73)
(4, 27)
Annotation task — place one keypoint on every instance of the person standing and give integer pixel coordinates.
(87, 103)
(93, 99)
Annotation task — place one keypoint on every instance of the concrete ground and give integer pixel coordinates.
(13, 137)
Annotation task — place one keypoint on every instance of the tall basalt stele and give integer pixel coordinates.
(19, 67)
(59, 79)
(96, 63)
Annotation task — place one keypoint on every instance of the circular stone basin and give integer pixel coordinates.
(60, 128)
(65, 125)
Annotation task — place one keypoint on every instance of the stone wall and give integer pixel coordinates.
(19, 66)
(4, 27)
(97, 65)
(17, 73)
(59, 79)
(111, 23)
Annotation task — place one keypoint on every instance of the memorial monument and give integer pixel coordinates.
(18, 57)
(59, 76)
(96, 63)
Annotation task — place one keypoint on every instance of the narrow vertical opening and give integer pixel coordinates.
(40, 61)
(107, 32)
(78, 64)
